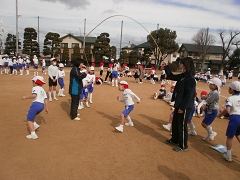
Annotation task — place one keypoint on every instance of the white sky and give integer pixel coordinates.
(64, 16)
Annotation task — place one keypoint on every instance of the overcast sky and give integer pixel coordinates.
(67, 16)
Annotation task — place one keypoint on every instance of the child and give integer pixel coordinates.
(39, 102)
(160, 93)
(127, 95)
(52, 80)
(169, 95)
(27, 65)
(202, 101)
(35, 66)
(230, 75)
(61, 74)
(14, 66)
(223, 111)
(43, 65)
(224, 80)
(99, 80)
(152, 73)
(233, 108)
(91, 77)
(101, 69)
(114, 73)
(211, 108)
(136, 74)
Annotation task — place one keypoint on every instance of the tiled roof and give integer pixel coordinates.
(195, 48)
(88, 40)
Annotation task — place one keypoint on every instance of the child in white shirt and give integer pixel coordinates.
(127, 96)
(61, 74)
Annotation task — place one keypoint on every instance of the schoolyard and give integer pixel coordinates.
(92, 149)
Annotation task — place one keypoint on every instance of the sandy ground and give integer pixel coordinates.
(93, 149)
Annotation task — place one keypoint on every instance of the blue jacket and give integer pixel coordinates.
(75, 85)
(184, 91)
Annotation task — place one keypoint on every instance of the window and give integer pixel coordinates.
(75, 44)
(218, 55)
(64, 45)
(181, 54)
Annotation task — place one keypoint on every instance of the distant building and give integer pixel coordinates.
(71, 41)
(213, 58)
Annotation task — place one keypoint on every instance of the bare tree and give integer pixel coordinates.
(227, 39)
(204, 40)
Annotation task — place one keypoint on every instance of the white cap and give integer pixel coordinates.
(91, 68)
(209, 69)
(235, 85)
(215, 81)
(123, 82)
(138, 63)
(112, 59)
(84, 70)
(61, 65)
(38, 80)
(53, 59)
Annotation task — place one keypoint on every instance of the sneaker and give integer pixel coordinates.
(87, 105)
(129, 124)
(167, 127)
(56, 99)
(119, 128)
(140, 83)
(222, 117)
(178, 149)
(172, 104)
(206, 138)
(212, 136)
(90, 102)
(192, 133)
(50, 99)
(30, 136)
(78, 114)
(168, 141)
(155, 96)
(227, 158)
(36, 126)
(80, 107)
(77, 119)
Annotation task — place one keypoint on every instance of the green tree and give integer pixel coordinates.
(235, 59)
(165, 39)
(102, 47)
(123, 57)
(76, 53)
(65, 54)
(10, 44)
(147, 53)
(132, 56)
(113, 52)
(52, 44)
(30, 45)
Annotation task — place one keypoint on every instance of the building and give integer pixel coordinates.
(213, 57)
(71, 41)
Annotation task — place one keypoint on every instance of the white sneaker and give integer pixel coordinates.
(77, 119)
(56, 99)
(62, 95)
(87, 105)
(30, 136)
(227, 158)
(155, 96)
(171, 103)
(50, 99)
(36, 126)
(140, 83)
(80, 107)
(90, 102)
(129, 124)
(206, 138)
(192, 133)
(119, 128)
(222, 117)
(167, 127)
(212, 136)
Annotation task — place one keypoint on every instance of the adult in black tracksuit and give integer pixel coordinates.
(183, 95)
(75, 87)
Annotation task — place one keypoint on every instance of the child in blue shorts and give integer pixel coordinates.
(61, 74)
(40, 101)
(233, 108)
(127, 95)
(211, 108)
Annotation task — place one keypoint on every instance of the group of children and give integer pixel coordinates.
(207, 105)
(12, 65)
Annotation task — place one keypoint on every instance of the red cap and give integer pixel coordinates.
(172, 87)
(153, 68)
(163, 85)
(204, 93)
(93, 63)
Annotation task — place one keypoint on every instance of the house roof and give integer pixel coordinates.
(132, 46)
(195, 48)
(144, 45)
(88, 40)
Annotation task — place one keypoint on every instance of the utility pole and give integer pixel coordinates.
(38, 31)
(84, 40)
(121, 39)
(156, 58)
(16, 27)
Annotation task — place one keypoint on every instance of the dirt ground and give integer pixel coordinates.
(93, 149)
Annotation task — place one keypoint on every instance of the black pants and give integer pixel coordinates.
(108, 73)
(179, 128)
(101, 72)
(74, 106)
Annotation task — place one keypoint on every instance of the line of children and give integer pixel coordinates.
(39, 103)
(127, 96)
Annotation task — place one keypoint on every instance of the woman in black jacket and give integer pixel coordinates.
(75, 87)
(183, 96)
